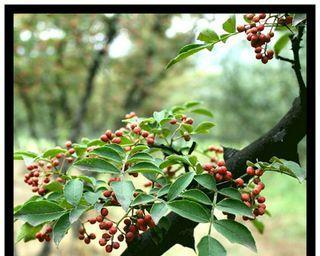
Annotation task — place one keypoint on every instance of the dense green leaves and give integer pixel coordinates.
(179, 185)
(73, 191)
(108, 153)
(206, 180)
(27, 232)
(124, 192)
(143, 199)
(145, 167)
(158, 210)
(231, 193)
(203, 127)
(38, 212)
(208, 246)
(96, 165)
(60, 228)
(230, 24)
(235, 232)
(190, 210)
(235, 207)
(197, 195)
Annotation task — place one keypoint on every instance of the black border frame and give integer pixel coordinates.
(10, 10)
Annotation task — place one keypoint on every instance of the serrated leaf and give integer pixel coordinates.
(73, 191)
(158, 210)
(230, 24)
(142, 199)
(208, 36)
(197, 195)
(145, 167)
(76, 213)
(124, 192)
(140, 157)
(60, 228)
(179, 185)
(281, 43)
(235, 207)
(50, 153)
(235, 232)
(188, 53)
(92, 197)
(208, 246)
(231, 193)
(203, 127)
(38, 212)
(202, 111)
(27, 232)
(108, 153)
(190, 210)
(96, 165)
(206, 180)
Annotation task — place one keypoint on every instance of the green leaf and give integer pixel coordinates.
(187, 127)
(190, 210)
(235, 232)
(140, 157)
(179, 185)
(95, 142)
(204, 127)
(27, 232)
(208, 246)
(164, 190)
(76, 213)
(191, 104)
(159, 116)
(158, 210)
(281, 43)
(188, 53)
(19, 155)
(138, 148)
(124, 192)
(96, 165)
(60, 228)
(142, 199)
(196, 195)
(298, 18)
(230, 24)
(231, 193)
(206, 180)
(38, 212)
(178, 158)
(92, 197)
(187, 48)
(54, 186)
(50, 153)
(295, 169)
(193, 160)
(145, 167)
(119, 149)
(235, 207)
(108, 153)
(258, 225)
(80, 149)
(202, 111)
(208, 36)
(73, 191)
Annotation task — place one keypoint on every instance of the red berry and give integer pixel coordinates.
(259, 172)
(256, 191)
(145, 134)
(207, 166)
(116, 140)
(147, 218)
(104, 211)
(173, 121)
(113, 230)
(245, 197)
(92, 236)
(221, 163)
(256, 180)
(258, 49)
(108, 248)
(240, 28)
(150, 141)
(92, 221)
(81, 236)
(250, 16)
(262, 15)
(71, 151)
(99, 218)
(102, 242)
(250, 171)
(189, 121)
(140, 222)
(108, 133)
(261, 185)
(228, 176)
(87, 240)
(137, 130)
(30, 167)
(127, 222)
(115, 245)
(118, 133)
(261, 199)
(120, 238)
(129, 235)
(38, 235)
(264, 60)
(260, 27)
(256, 18)
(81, 230)
(109, 225)
(248, 204)
(222, 170)
(239, 182)
(68, 144)
(106, 236)
(132, 228)
(49, 229)
(218, 177)
(107, 193)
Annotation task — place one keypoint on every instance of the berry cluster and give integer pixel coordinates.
(259, 40)
(219, 171)
(44, 236)
(250, 194)
(184, 120)
(133, 225)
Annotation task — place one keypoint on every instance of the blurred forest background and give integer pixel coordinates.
(77, 75)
